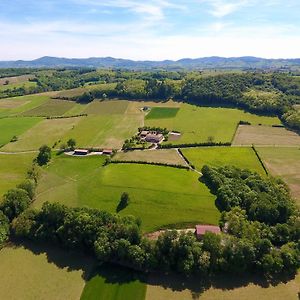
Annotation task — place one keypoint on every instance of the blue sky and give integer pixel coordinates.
(149, 29)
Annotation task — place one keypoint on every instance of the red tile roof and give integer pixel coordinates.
(201, 229)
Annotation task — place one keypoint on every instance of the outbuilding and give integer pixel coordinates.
(200, 230)
(107, 151)
(154, 138)
(81, 152)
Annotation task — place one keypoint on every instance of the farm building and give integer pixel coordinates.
(81, 152)
(107, 151)
(154, 138)
(144, 133)
(200, 230)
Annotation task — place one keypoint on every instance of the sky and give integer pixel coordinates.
(149, 29)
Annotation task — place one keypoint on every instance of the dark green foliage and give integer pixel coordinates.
(44, 155)
(124, 202)
(29, 186)
(71, 144)
(4, 228)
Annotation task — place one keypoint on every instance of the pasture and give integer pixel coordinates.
(10, 127)
(197, 124)
(166, 156)
(50, 108)
(15, 79)
(11, 86)
(243, 158)
(114, 283)
(284, 162)
(265, 136)
(110, 107)
(13, 169)
(160, 196)
(162, 113)
(45, 132)
(44, 274)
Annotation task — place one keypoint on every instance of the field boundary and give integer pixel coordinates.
(193, 145)
(260, 160)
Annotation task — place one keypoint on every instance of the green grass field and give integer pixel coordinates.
(13, 169)
(162, 113)
(114, 283)
(25, 84)
(52, 275)
(50, 108)
(198, 123)
(110, 107)
(45, 132)
(160, 196)
(10, 127)
(243, 158)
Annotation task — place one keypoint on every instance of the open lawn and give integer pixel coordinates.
(265, 136)
(223, 288)
(52, 107)
(114, 283)
(46, 132)
(160, 196)
(284, 162)
(105, 131)
(166, 156)
(197, 124)
(162, 113)
(13, 169)
(109, 107)
(243, 158)
(34, 274)
(10, 127)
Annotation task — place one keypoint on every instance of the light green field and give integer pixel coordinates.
(162, 113)
(198, 123)
(110, 107)
(284, 162)
(55, 275)
(10, 127)
(114, 283)
(46, 132)
(243, 158)
(160, 196)
(52, 107)
(12, 86)
(105, 131)
(77, 109)
(13, 169)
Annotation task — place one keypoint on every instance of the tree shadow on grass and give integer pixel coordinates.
(62, 258)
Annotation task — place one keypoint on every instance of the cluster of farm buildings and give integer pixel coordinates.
(151, 136)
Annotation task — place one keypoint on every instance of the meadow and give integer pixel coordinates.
(13, 169)
(11, 86)
(114, 283)
(197, 124)
(265, 135)
(35, 273)
(284, 162)
(160, 196)
(240, 157)
(162, 113)
(10, 127)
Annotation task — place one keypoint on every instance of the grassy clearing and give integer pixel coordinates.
(46, 132)
(243, 158)
(13, 170)
(284, 162)
(166, 156)
(114, 283)
(10, 127)
(198, 123)
(105, 131)
(159, 195)
(11, 86)
(109, 107)
(225, 288)
(15, 79)
(265, 135)
(55, 275)
(50, 108)
(162, 113)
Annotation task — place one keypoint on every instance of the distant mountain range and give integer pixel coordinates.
(214, 62)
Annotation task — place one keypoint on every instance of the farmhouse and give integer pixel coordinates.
(144, 133)
(81, 152)
(154, 138)
(200, 230)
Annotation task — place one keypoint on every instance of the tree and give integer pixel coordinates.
(71, 144)
(124, 202)
(44, 155)
(210, 139)
(28, 186)
(4, 227)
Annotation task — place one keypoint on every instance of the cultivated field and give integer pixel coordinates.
(197, 124)
(10, 127)
(160, 196)
(243, 158)
(166, 156)
(265, 136)
(284, 162)
(13, 169)
(114, 283)
(45, 132)
(110, 107)
(35, 274)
